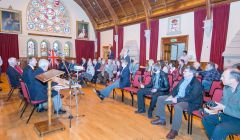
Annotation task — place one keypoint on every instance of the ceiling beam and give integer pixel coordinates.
(101, 10)
(134, 9)
(125, 14)
(147, 11)
(87, 13)
(112, 13)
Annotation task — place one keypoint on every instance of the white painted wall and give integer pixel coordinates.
(75, 12)
(106, 38)
(187, 28)
(234, 23)
(132, 33)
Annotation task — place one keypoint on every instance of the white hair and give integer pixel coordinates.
(12, 61)
(43, 63)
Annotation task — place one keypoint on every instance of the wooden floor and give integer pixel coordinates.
(107, 120)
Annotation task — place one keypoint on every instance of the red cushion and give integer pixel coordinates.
(131, 89)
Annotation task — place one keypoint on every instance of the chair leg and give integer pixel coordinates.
(113, 93)
(31, 114)
(122, 95)
(188, 126)
(131, 96)
(21, 102)
(10, 93)
(185, 116)
(23, 110)
(168, 108)
(191, 124)
(171, 113)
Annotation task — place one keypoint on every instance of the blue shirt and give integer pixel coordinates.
(182, 87)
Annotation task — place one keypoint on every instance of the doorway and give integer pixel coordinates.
(173, 47)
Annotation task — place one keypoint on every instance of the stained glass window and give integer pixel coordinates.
(57, 47)
(48, 16)
(66, 49)
(31, 48)
(45, 47)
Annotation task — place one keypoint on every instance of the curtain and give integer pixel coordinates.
(84, 49)
(142, 59)
(98, 44)
(219, 33)
(8, 48)
(114, 43)
(120, 40)
(199, 17)
(154, 40)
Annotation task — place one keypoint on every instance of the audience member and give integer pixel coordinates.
(123, 81)
(158, 86)
(209, 75)
(184, 57)
(187, 95)
(13, 75)
(38, 90)
(225, 117)
(28, 71)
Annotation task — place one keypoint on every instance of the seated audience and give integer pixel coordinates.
(225, 117)
(163, 66)
(197, 66)
(71, 66)
(149, 66)
(179, 71)
(83, 63)
(109, 69)
(171, 67)
(18, 68)
(89, 72)
(158, 86)
(209, 75)
(187, 95)
(38, 90)
(123, 81)
(13, 75)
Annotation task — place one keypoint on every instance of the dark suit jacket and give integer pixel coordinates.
(125, 78)
(28, 75)
(111, 55)
(127, 58)
(193, 94)
(163, 83)
(97, 66)
(14, 76)
(38, 89)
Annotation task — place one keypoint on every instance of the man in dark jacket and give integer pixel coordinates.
(28, 71)
(123, 81)
(158, 86)
(187, 95)
(13, 75)
(38, 90)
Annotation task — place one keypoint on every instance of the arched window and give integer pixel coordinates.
(67, 49)
(57, 47)
(32, 48)
(45, 47)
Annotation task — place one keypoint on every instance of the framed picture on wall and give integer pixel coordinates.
(10, 21)
(174, 25)
(82, 30)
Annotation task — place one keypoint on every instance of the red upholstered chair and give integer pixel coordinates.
(28, 100)
(12, 88)
(146, 78)
(134, 87)
(215, 84)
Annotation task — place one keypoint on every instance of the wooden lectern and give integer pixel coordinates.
(49, 125)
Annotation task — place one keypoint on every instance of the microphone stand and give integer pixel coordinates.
(71, 82)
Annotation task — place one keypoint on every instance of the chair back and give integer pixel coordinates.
(217, 95)
(147, 78)
(25, 91)
(215, 84)
(170, 79)
(135, 82)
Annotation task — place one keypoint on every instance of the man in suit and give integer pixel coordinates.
(126, 56)
(13, 75)
(38, 89)
(158, 86)
(28, 71)
(187, 95)
(123, 81)
(110, 53)
(225, 117)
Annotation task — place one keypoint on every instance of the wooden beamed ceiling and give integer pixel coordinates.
(105, 14)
